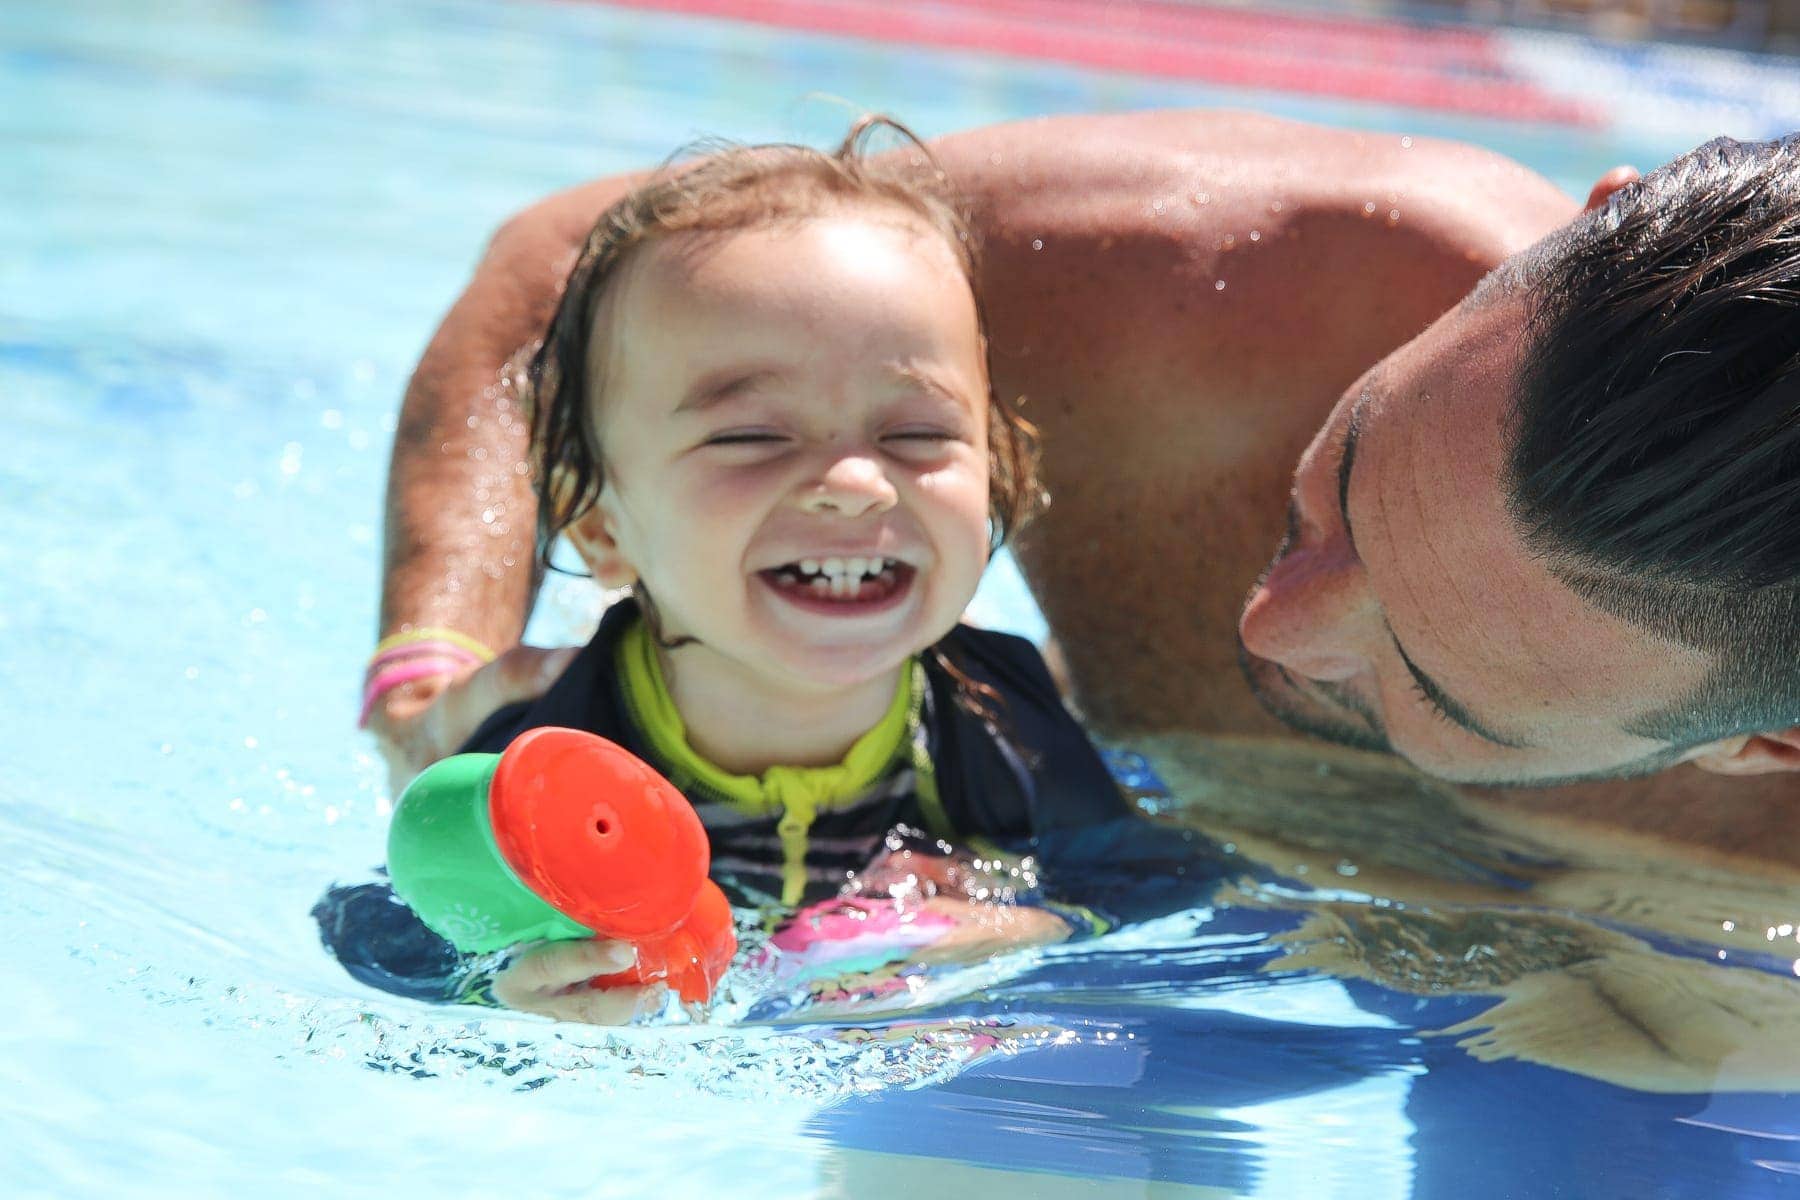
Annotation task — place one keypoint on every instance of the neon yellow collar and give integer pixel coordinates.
(776, 789)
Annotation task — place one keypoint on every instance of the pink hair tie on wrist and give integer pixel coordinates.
(384, 679)
(432, 648)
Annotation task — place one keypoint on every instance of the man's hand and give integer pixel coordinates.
(424, 721)
(552, 981)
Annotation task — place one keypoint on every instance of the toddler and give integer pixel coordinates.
(763, 407)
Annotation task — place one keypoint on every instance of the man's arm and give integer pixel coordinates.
(461, 516)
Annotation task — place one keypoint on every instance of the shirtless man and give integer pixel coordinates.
(1191, 303)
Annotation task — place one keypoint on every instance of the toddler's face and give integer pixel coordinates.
(795, 429)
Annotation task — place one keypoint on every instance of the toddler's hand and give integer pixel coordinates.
(977, 931)
(552, 980)
(426, 720)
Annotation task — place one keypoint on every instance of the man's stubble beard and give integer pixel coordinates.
(1354, 726)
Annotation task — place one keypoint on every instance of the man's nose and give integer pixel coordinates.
(850, 484)
(1314, 614)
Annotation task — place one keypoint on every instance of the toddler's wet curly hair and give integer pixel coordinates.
(735, 188)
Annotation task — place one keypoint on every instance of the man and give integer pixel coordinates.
(1548, 535)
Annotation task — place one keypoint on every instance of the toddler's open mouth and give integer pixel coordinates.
(841, 584)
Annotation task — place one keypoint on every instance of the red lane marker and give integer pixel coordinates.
(1448, 70)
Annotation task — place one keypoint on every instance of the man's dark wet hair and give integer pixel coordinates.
(1655, 443)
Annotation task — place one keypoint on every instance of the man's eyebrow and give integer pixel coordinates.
(1457, 714)
(720, 386)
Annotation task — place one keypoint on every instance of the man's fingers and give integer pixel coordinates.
(522, 673)
(526, 671)
(1609, 183)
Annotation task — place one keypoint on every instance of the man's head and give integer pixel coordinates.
(1558, 535)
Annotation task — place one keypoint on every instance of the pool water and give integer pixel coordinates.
(226, 231)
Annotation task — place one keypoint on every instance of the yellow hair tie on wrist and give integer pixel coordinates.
(432, 633)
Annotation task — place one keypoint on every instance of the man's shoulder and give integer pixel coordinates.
(1209, 248)
(1110, 169)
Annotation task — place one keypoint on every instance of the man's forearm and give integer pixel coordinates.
(460, 510)
(461, 516)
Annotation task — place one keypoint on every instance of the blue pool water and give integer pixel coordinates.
(226, 230)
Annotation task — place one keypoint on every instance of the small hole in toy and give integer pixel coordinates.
(602, 826)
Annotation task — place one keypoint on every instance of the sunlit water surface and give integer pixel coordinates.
(225, 232)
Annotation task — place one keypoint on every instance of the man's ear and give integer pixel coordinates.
(1609, 183)
(1757, 754)
(592, 536)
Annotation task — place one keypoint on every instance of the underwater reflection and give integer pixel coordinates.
(1621, 960)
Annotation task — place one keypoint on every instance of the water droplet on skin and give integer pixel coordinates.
(1228, 242)
(1276, 206)
(1406, 143)
(1202, 197)
(1256, 235)
(1037, 243)
(1393, 216)
(1368, 208)
(1218, 285)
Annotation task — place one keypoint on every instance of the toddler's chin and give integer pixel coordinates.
(842, 668)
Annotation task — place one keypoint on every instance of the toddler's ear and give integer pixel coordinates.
(592, 536)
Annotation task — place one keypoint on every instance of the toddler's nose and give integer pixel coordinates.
(852, 485)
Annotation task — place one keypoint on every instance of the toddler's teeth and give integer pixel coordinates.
(856, 566)
(833, 566)
(820, 584)
(809, 566)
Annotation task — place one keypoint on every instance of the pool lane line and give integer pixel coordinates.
(1447, 70)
